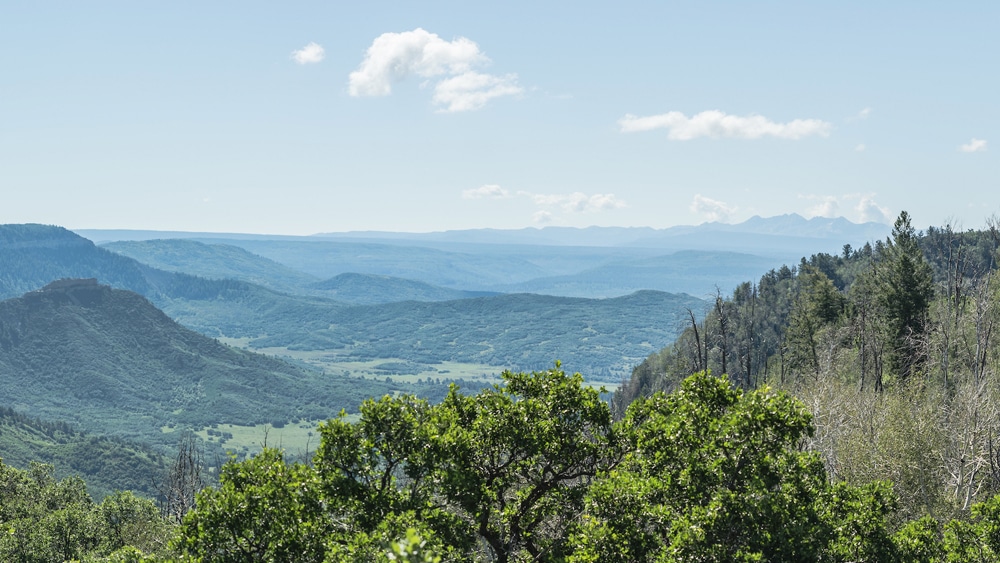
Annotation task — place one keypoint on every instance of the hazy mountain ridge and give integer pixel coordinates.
(225, 261)
(33, 255)
(692, 272)
(212, 261)
(788, 225)
(371, 289)
(543, 260)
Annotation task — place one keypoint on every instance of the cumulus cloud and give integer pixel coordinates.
(975, 145)
(710, 209)
(311, 53)
(827, 206)
(861, 207)
(491, 191)
(864, 114)
(577, 202)
(716, 124)
(869, 210)
(393, 57)
(542, 217)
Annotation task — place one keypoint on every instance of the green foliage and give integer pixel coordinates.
(263, 510)
(107, 464)
(507, 467)
(412, 550)
(860, 518)
(817, 306)
(520, 458)
(919, 541)
(904, 291)
(48, 520)
(713, 474)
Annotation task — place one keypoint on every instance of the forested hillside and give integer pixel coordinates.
(107, 464)
(110, 362)
(34, 255)
(892, 346)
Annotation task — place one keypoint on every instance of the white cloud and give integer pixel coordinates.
(860, 148)
(865, 208)
(864, 114)
(827, 207)
(492, 191)
(712, 210)
(975, 145)
(577, 202)
(716, 124)
(542, 217)
(471, 90)
(393, 57)
(311, 53)
(872, 211)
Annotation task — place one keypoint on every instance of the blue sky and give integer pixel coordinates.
(309, 117)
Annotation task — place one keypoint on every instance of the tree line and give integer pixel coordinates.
(892, 346)
(535, 469)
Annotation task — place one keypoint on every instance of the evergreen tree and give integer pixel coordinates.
(905, 290)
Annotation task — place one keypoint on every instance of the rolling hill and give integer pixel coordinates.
(106, 464)
(110, 362)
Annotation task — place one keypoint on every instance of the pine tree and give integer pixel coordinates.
(905, 290)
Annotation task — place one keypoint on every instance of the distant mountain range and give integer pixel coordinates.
(721, 236)
(786, 227)
(552, 260)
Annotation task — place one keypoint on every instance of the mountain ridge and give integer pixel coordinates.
(791, 224)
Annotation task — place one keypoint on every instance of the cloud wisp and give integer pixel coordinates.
(577, 202)
(310, 54)
(486, 191)
(975, 145)
(448, 65)
(472, 90)
(550, 206)
(715, 124)
(712, 210)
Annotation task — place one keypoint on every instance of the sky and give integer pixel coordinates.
(309, 117)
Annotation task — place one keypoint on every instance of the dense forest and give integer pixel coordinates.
(844, 410)
(892, 347)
